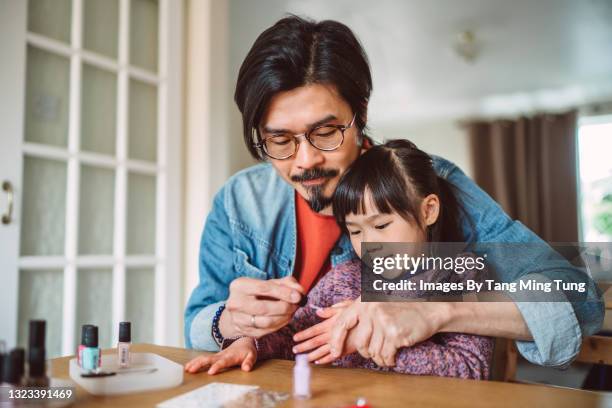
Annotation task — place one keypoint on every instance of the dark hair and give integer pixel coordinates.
(295, 52)
(399, 176)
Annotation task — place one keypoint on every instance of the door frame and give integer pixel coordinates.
(12, 77)
(167, 267)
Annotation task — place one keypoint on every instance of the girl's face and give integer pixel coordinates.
(373, 226)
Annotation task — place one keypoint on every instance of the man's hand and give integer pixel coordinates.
(257, 307)
(315, 339)
(378, 330)
(241, 353)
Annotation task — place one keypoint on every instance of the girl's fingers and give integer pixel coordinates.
(219, 365)
(311, 344)
(319, 353)
(198, 363)
(249, 361)
(325, 360)
(312, 331)
(333, 310)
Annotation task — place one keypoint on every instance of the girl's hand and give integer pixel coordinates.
(241, 352)
(315, 339)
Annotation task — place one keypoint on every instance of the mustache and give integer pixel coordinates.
(313, 174)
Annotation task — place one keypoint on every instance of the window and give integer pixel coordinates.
(595, 178)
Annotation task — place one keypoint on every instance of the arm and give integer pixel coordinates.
(447, 355)
(215, 267)
(272, 301)
(550, 333)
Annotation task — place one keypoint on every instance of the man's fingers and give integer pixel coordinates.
(271, 307)
(388, 353)
(274, 291)
(375, 347)
(311, 344)
(345, 322)
(312, 331)
(263, 324)
(290, 282)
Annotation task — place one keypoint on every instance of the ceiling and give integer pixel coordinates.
(533, 55)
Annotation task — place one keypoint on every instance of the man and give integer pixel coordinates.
(303, 92)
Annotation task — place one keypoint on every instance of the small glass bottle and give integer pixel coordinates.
(90, 355)
(82, 345)
(301, 377)
(37, 376)
(123, 347)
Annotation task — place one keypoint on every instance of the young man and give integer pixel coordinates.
(303, 92)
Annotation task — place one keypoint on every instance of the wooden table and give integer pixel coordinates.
(340, 387)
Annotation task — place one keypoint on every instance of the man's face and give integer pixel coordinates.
(312, 172)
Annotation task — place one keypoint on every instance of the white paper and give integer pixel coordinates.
(213, 395)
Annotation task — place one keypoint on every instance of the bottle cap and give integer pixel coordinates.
(37, 334)
(36, 360)
(83, 330)
(10, 369)
(90, 336)
(19, 355)
(125, 332)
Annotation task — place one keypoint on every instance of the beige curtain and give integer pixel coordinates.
(529, 167)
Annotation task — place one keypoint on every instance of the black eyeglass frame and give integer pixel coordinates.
(342, 128)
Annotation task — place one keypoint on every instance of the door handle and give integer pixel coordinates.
(8, 188)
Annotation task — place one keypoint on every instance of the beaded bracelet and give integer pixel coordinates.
(215, 326)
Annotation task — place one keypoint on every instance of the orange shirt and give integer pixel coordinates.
(316, 236)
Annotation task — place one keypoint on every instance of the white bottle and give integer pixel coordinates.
(301, 377)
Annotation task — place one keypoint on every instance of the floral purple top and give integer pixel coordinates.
(444, 354)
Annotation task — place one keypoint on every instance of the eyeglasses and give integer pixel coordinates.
(325, 138)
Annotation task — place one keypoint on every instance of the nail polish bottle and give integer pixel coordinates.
(123, 347)
(18, 356)
(11, 371)
(82, 344)
(37, 376)
(90, 355)
(301, 377)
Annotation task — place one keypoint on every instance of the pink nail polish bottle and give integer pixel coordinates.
(301, 377)
(123, 347)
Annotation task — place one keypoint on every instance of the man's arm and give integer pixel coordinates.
(556, 327)
(271, 303)
(496, 319)
(215, 270)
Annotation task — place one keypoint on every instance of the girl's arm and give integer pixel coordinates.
(279, 344)
(445, 355)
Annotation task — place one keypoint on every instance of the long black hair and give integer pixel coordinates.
(399, 175)
(295, 52)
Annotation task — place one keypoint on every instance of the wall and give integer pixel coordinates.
(444, 138)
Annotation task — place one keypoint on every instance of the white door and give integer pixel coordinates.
(90, 108)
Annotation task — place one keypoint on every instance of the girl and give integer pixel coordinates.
(390, 194)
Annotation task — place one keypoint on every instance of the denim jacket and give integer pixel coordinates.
(251, 231)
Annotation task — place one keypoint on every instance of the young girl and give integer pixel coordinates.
(390, 194)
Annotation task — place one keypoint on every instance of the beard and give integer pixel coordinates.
(317, 200)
